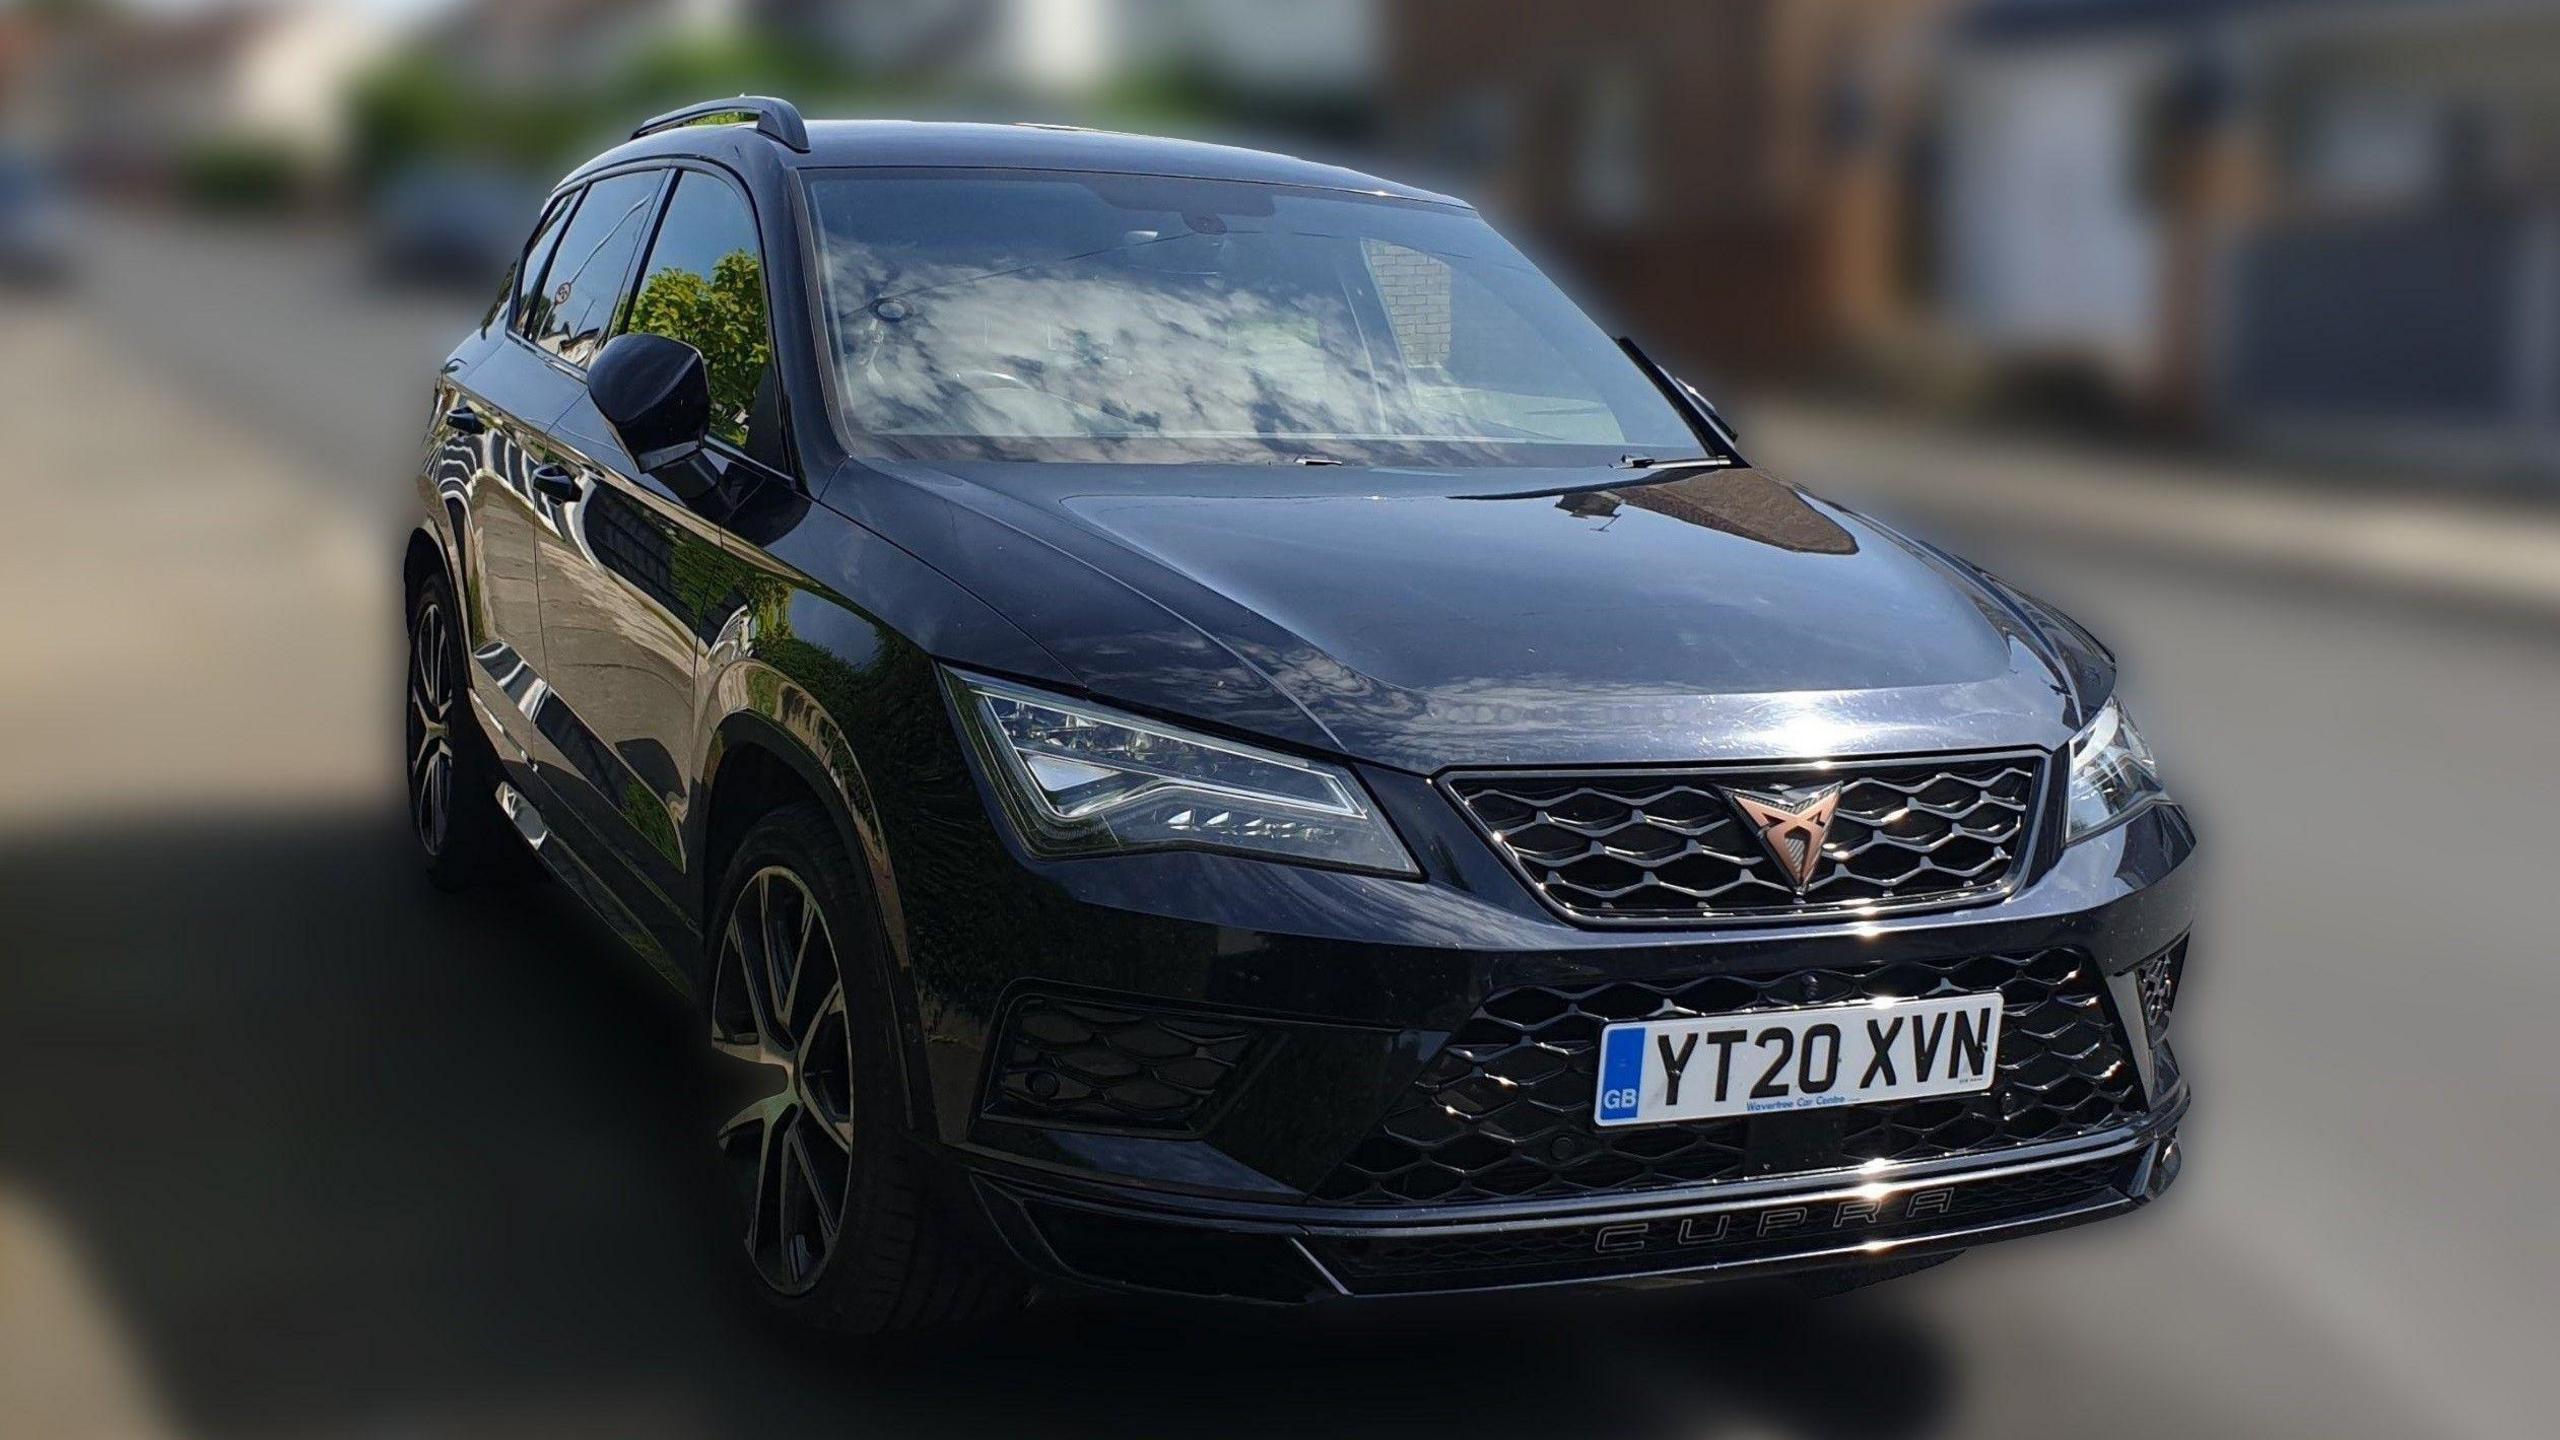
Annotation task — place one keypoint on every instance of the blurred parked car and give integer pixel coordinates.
(35, 224)
(449, 226)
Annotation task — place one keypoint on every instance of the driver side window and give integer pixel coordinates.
(703, 284)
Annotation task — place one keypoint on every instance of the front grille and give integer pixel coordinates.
(1669, 846)
(1083, 1062)
(1780, 1227)
(1503, 1112)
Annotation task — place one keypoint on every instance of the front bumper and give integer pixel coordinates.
(1157, 1071)
(1768, 1227)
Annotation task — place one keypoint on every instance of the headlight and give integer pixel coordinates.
(1079, 779)
(2112, 775)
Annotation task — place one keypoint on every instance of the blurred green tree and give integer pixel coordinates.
(417, 108)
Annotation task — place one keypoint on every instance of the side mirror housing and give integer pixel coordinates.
(656, 394)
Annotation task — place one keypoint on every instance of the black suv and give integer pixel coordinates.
(1194, 725)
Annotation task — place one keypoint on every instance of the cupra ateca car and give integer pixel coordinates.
(1194, 726)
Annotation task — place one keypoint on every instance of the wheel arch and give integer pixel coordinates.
(787, 751)
(424, 556)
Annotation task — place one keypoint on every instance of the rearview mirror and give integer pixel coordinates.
(656, 395)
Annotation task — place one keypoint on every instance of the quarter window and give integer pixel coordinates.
(704, 285)
(576, 305)
(537, 256)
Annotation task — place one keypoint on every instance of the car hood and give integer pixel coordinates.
(1428, 619)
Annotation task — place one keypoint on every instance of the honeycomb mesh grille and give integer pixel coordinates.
(1072, 1061)
(1503, 1112)
(1668, 846)
(2159, 985)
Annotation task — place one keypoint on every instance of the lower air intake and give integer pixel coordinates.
(1503, 1112)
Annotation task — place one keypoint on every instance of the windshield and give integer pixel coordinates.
(1042, 315)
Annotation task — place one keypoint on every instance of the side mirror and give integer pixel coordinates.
(656, 395)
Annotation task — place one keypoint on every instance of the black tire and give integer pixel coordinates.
(1841, 1280)
(808, 995)
(452, 779)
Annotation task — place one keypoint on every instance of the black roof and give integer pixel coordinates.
(956, 144)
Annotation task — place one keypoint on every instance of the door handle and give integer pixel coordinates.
(556, 482)
(465, 420)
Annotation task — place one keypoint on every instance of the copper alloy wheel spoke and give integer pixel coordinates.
(751, 1134)
(826, 1071)
(737, 1016)
(755, 932)
(790, 1152)
(744, 973)
(435, 651)
(780, 906)
(825, 1199)
(430, 745)
(755, 935)
(433, 782)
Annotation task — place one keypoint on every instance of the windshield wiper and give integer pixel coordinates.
(1651, 462)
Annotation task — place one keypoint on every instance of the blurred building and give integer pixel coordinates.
(21, 42)
(1079, 46)
(2332, 223)
(564, 44)
(1031, 47)
(127, 94)
(1737, 177)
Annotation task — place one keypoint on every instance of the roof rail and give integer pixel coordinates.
(777, 120)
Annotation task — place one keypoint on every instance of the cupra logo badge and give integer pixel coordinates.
(1792, 827)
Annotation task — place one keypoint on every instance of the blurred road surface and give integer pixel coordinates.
(290, 1144)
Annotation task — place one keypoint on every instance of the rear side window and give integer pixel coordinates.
(704, 285)
(537, 255)
(584, 284)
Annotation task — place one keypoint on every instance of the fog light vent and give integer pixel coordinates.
(1094, 1063)
(2159, 984)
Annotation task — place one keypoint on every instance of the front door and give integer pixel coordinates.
(636, 581)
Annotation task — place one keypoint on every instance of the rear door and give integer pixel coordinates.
(492, 415)
(636, 588)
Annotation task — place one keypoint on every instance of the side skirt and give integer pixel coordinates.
(575, 875)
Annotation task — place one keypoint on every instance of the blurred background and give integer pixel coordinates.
(2231, 325)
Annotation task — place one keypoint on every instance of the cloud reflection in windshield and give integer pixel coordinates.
(1094, 347)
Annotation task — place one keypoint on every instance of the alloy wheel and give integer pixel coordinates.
(430, 726)
(778, 1000)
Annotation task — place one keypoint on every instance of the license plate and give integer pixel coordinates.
(1761, 1061)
